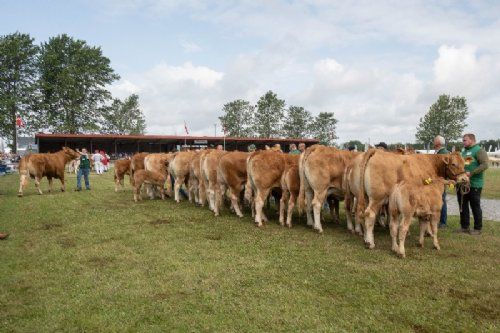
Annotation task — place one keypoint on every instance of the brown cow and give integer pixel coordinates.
(208, 166)
(152, 178)
(290, 187)
(378, 176)
(232, 174)
(322, 171)
(122, 168)
(159, 162)
(179, 168)
(264, 171)
(136, 164)
(412, 198)
(196, 185)
(50, 165)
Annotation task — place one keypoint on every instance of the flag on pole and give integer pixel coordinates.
(186, 128)
(19, 122)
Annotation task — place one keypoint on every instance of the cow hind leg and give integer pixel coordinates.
(283, 200)
(434, 226)
(260, 198)
(37, 184)
(370, 217)
(317, 203)
(394, 233)
(309, 196)
(234, 193)
(403, 230)
(51, 183)
(291, 205)
(63, 185)
(424, 225)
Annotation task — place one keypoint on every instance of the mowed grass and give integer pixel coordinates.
(491, 188)
(96, 261)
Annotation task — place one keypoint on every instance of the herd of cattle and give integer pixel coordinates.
(398, 184)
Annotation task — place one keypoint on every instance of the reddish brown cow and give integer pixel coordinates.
(136, 164)
(179, 168)
(208, 166)
(378, 176)
(50, 165)
(290, 187)
(232, 174)
(159, 162)
(122, 168)
(322, 171)
(196, 184)
(152, 178)
(264, 171)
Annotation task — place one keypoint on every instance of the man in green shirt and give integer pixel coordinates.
(83, 169)
(476, 162)
(440, 148)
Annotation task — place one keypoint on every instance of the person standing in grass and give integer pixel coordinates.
(439, 148)
(83, 170)
(476, 162)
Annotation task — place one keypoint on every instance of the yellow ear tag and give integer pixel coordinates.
(427, 181)
(451, 186)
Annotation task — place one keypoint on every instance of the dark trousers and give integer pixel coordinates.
(444, 210)
(473, 198)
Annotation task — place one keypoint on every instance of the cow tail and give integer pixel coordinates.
(302, 187)
(248, 185)
(362, 168)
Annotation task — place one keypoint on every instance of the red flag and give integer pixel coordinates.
(186, 128)
(19, 122)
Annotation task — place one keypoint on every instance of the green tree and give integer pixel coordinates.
(18, 75)
(446, 117)
(124, 117)
(267, 119)
(323, 128)
(297, 122)
(237, 118)
(73, 80)
(355, 143)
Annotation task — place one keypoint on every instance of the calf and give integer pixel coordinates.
(151, 178)
(290, 187)
(208, 166)
(410, 199)
(179, 168)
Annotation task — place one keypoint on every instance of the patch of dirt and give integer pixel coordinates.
(48, 226)
(67, 243)
(100, 261)
(159, 222)
(214, 237)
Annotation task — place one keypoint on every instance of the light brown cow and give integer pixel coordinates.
(290, 188)
(322, 171)
(152, 178)
(232, 174)
(50, 165)
(264, 171)
(412, 198)
(136, 164)
(122, 168)
(196, 185)
(159, 162)
(179, 168)
(378, 176)
(208, 166)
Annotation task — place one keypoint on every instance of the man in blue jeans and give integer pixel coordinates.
(83, 169)
(440, 148)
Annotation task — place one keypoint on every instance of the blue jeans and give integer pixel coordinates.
(85, 173)
(444, 211)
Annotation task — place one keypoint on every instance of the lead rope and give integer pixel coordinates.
(464, 188)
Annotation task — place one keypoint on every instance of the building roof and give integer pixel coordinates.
(165, 137)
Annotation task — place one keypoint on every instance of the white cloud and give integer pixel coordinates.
(190, 47)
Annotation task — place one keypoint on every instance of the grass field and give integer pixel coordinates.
(492, 184)
(95, 261)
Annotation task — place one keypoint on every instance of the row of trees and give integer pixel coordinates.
(60, 86)
(270, 118)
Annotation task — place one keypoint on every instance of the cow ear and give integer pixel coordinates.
(446, 160)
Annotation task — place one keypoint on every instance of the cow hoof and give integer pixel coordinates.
(289, 226)
(438, 248)
(370, 246)
(19, 195)
(421, 245)
(402, 255)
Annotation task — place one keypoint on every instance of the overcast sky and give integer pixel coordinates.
(378, 65)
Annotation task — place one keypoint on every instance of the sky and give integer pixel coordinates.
(378, 65)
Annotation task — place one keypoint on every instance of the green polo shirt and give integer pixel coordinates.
(476, 161)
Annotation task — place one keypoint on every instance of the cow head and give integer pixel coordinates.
(70, 153)
(455, 167)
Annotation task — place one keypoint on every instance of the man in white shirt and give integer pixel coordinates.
(97, 158)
